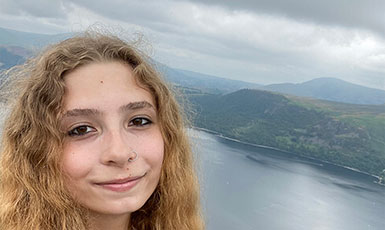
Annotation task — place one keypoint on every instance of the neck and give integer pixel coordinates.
(111, 222)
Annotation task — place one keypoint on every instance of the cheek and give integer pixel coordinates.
(157, 160)
(75, 163)
(154, 152)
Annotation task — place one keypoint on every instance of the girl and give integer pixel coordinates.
(95, 140)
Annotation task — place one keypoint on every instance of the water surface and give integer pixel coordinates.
(246, 187)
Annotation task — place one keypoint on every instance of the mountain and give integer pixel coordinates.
(322, 88)
(204, 82)
(182, 78)
(28, 40)
(344, 134)
(17, 46)
(331, 89)
(11, 55)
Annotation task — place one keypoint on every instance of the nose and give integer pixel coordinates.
(117, 149)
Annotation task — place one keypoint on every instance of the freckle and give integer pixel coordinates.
(101, 82)
(127, 169)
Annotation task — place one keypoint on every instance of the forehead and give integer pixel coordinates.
(100, 70)
(102, 83)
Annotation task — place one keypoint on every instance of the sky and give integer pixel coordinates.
(260, 41)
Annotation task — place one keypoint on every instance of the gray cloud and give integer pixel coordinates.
(361, 14)
(260, 41)
(282, 41)
(147, 12)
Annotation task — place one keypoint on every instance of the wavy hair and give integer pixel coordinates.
(32, 190)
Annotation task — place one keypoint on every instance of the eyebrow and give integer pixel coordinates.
(136, 105)
(81, 112)
(94, 112)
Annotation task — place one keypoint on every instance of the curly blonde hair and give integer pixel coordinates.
(32, 190)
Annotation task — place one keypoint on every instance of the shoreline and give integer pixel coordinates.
(379, 179)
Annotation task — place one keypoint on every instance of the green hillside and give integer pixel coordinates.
(344, 134)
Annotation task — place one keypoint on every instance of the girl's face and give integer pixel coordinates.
(109, 119)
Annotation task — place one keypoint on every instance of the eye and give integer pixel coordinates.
(80, 130)
(140, 121)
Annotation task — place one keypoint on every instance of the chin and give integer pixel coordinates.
(120, 207)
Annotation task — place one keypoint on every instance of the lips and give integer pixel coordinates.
(121, 185)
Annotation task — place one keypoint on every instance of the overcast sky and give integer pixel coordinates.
(261, 41)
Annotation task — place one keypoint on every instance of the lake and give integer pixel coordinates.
(245, 187)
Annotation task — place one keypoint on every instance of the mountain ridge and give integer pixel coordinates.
(321, 88)
(205, 82)
(332, 89)
(29, 40)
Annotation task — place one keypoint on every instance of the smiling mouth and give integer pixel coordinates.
(121, 185)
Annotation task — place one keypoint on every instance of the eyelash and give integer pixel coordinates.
(76, 131)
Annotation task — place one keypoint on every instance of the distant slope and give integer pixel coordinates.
(331, 89)
(28, 40)
(183, 78)
(11, 55)
(345, 134)
(204, 82)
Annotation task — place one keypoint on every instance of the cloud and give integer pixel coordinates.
(361, 14)
(246, 44)
(258, 41)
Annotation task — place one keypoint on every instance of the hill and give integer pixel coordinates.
(331, 89)
(204, 82)
(28, 40)
(9, 58)
(183, 78)
(344, 134)
(12, 55)
(322, 88)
